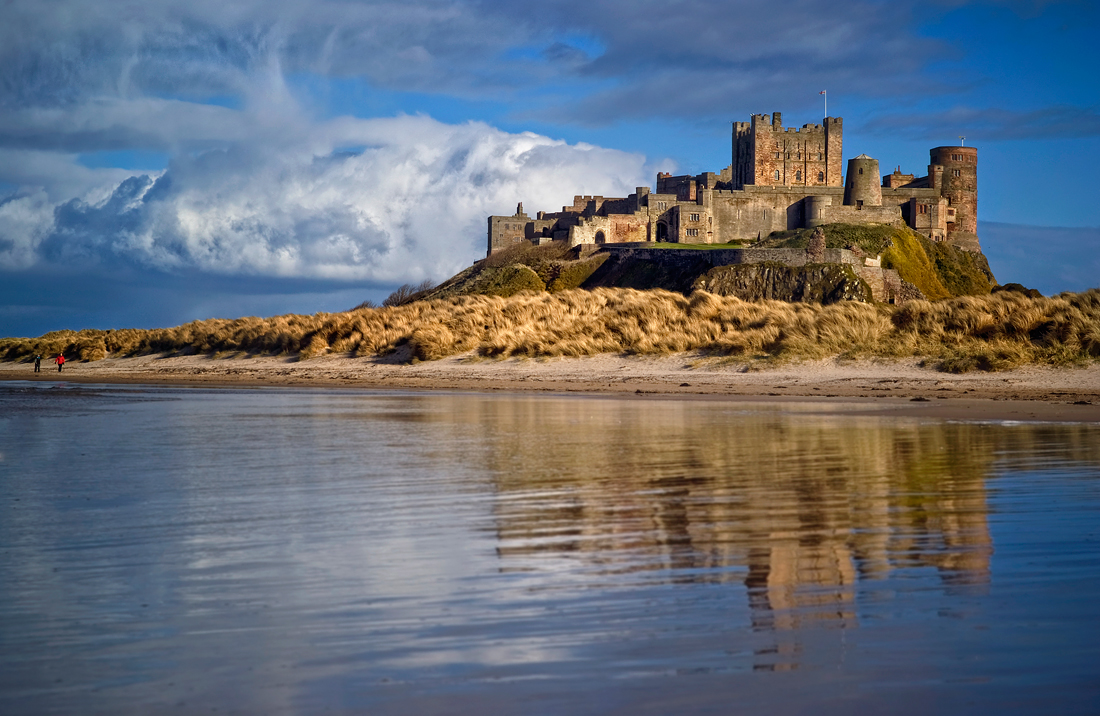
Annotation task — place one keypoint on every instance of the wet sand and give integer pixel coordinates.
(892, 387)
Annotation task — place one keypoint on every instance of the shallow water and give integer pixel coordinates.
(304, 551)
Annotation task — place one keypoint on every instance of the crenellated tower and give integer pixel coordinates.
(764, 153)
(954, 172)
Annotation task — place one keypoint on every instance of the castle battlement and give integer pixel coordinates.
(779, 179)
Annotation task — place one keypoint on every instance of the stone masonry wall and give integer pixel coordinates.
(725, 257)
(506, 230)
(862, 215)
(628, 228)
(767, 154)
(754, 212)
(960, 183)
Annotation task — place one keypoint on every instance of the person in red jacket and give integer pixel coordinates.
(60, 360)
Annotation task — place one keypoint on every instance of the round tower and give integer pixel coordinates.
(816, 206)
(863, 186)
(959, 184)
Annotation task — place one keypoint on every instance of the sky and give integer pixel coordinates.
(162, 162)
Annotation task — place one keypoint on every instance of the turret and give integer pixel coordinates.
(815, 210)
(863, 187)
(959, 185)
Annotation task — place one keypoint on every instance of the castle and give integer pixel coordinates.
(779, 179)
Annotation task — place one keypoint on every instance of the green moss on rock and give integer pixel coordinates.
(506, 281)
(573, 274)
(872, 239)
(938, 269)
(908, 257)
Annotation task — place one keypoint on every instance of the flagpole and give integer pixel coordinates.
(825, 96)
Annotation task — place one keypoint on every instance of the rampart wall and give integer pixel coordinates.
(726, 257)
(755, 211)
(885, 284)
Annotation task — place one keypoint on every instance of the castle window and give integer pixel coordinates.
(693, 217)
(956, 173)
(776, 173)
(798, 176)
(821, 176)
(820, 155)
(777, 155)
(798, 155)
(788, 155)
(661, 205)
(861, 170)
(693, 232)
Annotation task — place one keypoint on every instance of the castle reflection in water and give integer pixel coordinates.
(798, 508)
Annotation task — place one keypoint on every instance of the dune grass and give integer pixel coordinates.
(989, 332)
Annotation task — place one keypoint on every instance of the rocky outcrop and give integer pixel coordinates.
(886, 285)
(812, 283)
(815, 249)
(667, 269)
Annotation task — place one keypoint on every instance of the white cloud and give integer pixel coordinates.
(25, 221)
(386, 200)
(261, 186)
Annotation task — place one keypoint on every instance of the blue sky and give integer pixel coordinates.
(162, 162)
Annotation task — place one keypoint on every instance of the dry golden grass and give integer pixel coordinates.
(972, 332)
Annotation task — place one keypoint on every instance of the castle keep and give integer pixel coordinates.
(778, 178)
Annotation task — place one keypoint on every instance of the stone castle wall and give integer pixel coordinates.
(779, 179)
(726, 257)
(767, 154)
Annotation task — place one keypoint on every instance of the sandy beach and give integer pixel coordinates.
(896, 387)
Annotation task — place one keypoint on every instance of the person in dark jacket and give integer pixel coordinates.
(38, 364)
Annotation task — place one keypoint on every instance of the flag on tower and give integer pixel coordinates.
(821, 92)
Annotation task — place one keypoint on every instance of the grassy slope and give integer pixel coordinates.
(985, 332)
(938, 269)
(521, 268)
